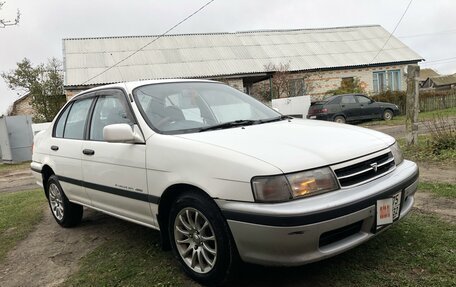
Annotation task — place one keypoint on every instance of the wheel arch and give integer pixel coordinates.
(46, 172)
(164, 206)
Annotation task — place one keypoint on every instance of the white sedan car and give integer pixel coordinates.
(221, 175)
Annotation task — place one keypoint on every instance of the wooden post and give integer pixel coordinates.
(412, 105)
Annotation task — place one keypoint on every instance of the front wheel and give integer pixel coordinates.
(201, 240)
(66, 213)
(387, 115)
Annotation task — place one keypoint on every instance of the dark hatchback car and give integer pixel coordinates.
(350, 108)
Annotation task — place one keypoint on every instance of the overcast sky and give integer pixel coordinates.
(429, 27)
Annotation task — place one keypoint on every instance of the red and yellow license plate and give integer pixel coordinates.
(388, 209)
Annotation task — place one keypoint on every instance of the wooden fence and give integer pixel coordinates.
(429, 100)
(438, 102)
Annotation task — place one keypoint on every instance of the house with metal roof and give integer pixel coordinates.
(316, 60)
(445, 82)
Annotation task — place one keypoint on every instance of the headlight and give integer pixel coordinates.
(397, 153)
(285, 187)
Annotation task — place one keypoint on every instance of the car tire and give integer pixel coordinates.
(339, 119)
(388, 115)
(201, 240)
(66, 213)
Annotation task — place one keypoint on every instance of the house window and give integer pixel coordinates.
(379, 81)
(394, 80)
(348, 83)
(296, 87)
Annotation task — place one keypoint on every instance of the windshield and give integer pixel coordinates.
(195, 106)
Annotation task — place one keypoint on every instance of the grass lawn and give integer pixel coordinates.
(19, 213)
(424, 116)
(4, 168)
(419, 251)
(440, 189)
(133, 258)
(423, 153)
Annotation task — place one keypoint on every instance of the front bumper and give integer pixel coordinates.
(292, 233)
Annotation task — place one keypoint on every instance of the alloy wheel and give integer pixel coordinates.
(195, 240)
(56, 201)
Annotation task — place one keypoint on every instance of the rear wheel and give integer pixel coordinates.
(201, 240)
(339, 119)
(387, 115)
(66, 214)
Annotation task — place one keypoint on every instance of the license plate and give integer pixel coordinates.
(312, 117)
(388, 209)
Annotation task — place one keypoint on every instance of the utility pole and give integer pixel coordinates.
(412, 105)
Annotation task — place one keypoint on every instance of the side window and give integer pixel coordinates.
(77, 118)
(336, 101)
(348, 100)
(109, 109)
(363, 100)
(60, 126)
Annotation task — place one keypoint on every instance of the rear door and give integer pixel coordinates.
(115, 173)
(65, 148)
(350, 108)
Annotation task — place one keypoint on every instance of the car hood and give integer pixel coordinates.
(293, 145)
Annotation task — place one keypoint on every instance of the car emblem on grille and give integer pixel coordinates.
(374, 166)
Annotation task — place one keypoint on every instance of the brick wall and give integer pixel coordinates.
(235, 83)
(23, 107)
(319, 83)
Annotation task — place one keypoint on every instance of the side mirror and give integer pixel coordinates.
(122, 133)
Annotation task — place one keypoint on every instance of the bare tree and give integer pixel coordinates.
(5, 23)
(286, 84)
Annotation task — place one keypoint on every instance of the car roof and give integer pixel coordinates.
(130, 86)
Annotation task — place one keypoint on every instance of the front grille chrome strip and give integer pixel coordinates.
(367, 169)
(363, 170)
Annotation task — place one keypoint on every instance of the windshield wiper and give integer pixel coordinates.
(279, 118)
(231, 124)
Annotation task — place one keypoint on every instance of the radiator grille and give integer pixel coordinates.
(365, 170)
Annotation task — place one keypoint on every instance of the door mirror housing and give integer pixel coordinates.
(121, 133)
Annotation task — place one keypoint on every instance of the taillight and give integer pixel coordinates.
(324, 110)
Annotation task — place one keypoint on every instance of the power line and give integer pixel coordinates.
(429, 34)
(155, 39)
(391, 34)
(439, 60)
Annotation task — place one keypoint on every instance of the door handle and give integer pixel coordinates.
(88, 151)
(54, 147)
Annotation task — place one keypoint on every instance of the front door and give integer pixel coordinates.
(115, 173)
(369, 108)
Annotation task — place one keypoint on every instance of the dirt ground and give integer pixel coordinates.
(51, 253)
(17, 180)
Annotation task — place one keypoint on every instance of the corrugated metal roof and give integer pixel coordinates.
(224, 54)
(444, 80)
